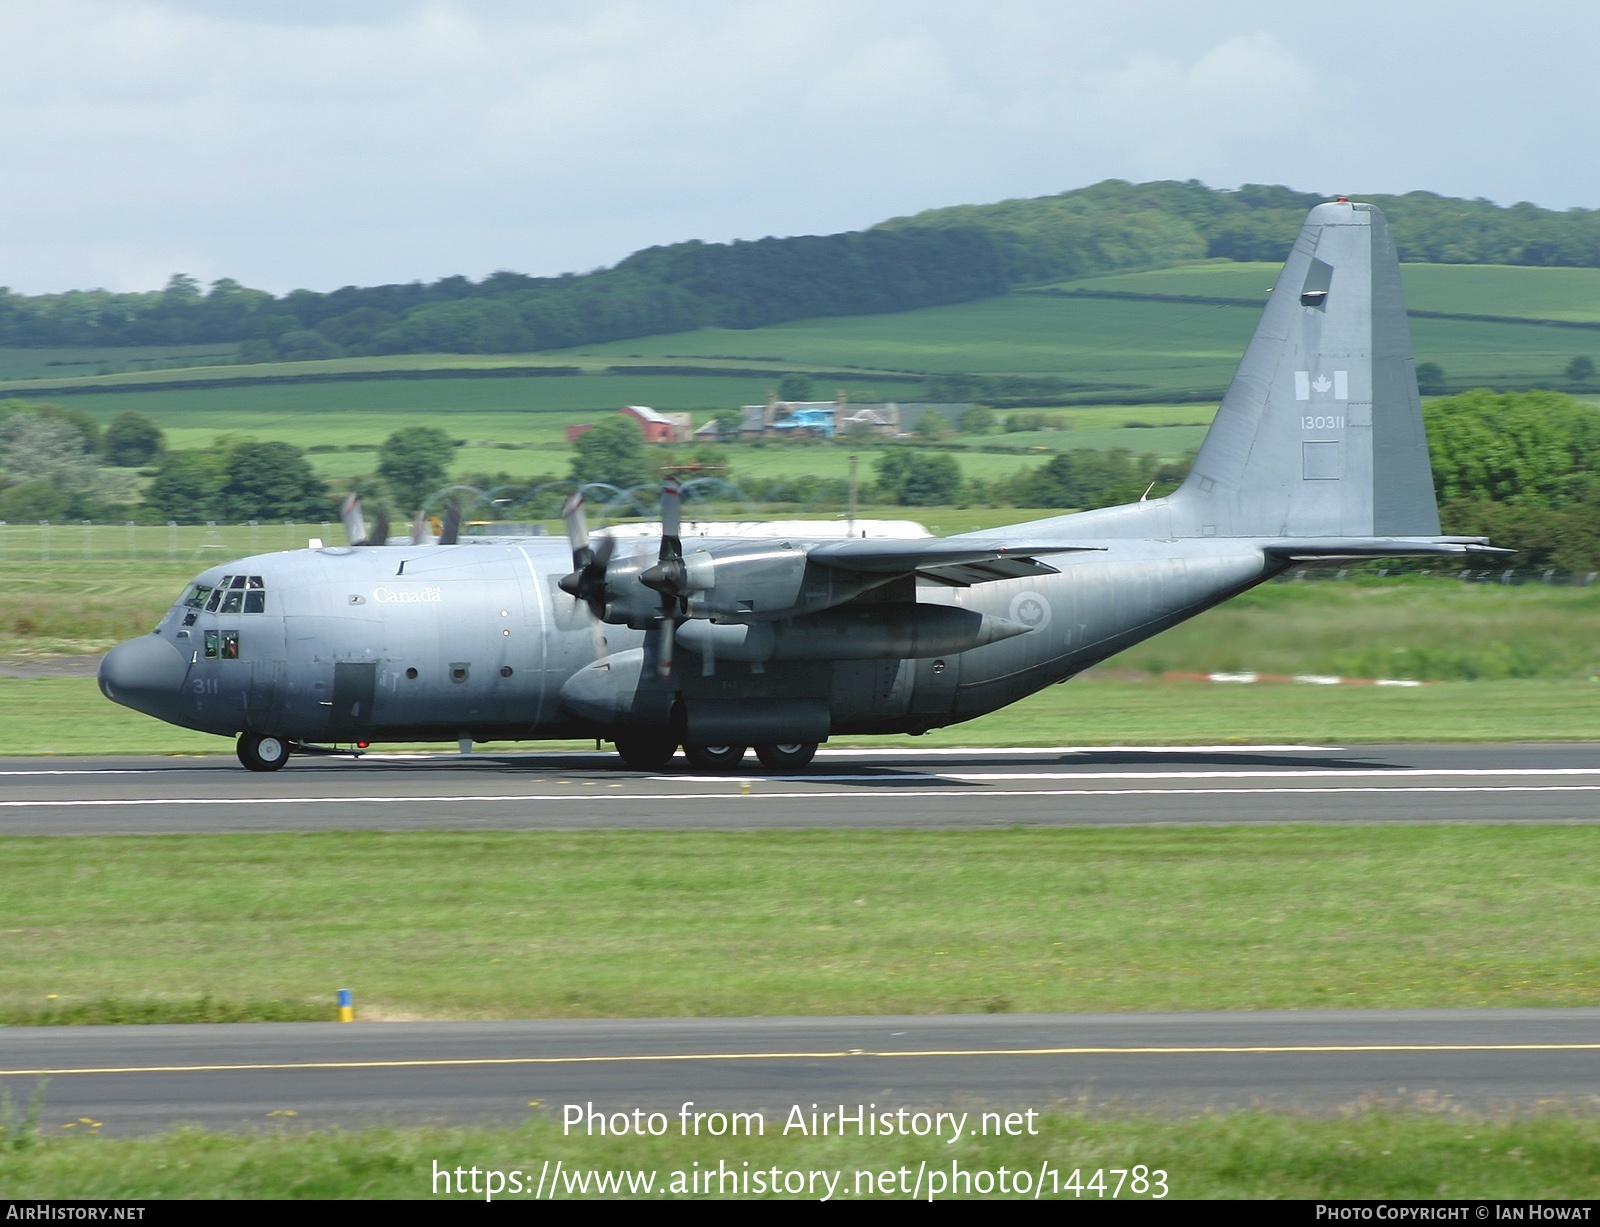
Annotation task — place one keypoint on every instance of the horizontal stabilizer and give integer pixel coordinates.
(1307, 549)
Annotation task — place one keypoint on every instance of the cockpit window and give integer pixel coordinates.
(232, 594)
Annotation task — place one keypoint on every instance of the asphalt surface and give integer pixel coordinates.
(842, 788)
(130, 1080)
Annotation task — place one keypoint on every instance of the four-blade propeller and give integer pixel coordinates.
(668, 576)
(588, 579)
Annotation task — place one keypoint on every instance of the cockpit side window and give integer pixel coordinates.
(195, 598)
(216, 599)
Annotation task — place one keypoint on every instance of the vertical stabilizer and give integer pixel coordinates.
(1320, 433)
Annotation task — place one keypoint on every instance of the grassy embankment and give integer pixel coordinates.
(1233, 1155)
(617, 924)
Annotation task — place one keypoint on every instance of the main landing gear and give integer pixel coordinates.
(260, 752)
(646, 753)
(786, 755)
(655, 754)
(714, 758)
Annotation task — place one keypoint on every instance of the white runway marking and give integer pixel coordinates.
(834, 795)
(1328, 773)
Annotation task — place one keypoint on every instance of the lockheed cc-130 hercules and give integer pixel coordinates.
(1316, 453)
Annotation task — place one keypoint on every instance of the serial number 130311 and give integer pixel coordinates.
(1329, 421)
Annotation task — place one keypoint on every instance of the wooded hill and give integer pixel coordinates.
(942, 256)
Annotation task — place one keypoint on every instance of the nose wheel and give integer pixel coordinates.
(260, 752)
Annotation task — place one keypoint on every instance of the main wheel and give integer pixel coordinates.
(786, 755)
(646, 753)
(714, 758)
(259, 752)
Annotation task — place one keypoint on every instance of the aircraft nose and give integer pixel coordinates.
(143, 673)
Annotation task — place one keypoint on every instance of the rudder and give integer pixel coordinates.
(1320, 433)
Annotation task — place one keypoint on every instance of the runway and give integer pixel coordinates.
(842, 788)
(141, 1079)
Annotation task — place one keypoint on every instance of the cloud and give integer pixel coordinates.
(297, 143)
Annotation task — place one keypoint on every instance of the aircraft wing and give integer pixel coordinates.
(1307, 549)
(958, 563)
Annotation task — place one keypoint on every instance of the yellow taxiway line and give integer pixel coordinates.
(834, 1055)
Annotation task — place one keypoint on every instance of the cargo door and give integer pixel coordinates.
(355, 684)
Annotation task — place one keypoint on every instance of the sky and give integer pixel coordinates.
(320, 143)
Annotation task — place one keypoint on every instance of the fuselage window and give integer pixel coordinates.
(230, 645)
(213, 640)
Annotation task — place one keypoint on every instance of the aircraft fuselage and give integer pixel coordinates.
(398, 643)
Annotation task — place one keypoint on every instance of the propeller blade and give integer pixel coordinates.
(450, 530)
(668, 629)
(419, 529)
(577, 526)
(671, 510)
(355, 528)
(380, 529)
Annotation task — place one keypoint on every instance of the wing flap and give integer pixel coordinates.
(898, 557)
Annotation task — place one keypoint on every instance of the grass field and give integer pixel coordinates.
(1373, 1154)
(685, 923)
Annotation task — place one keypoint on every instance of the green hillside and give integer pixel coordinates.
(1570, 294)
(1034, 346)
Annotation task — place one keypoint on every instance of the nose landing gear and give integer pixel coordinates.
(259, 752)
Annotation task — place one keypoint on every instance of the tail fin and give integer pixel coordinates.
(1320, 433)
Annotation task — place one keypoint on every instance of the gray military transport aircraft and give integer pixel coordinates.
(1317, 453)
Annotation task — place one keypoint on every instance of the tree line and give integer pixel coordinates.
(937, 257)
(1520, 468)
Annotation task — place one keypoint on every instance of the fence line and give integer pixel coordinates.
(44, 541)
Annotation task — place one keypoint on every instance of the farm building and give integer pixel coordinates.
(657, 427)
